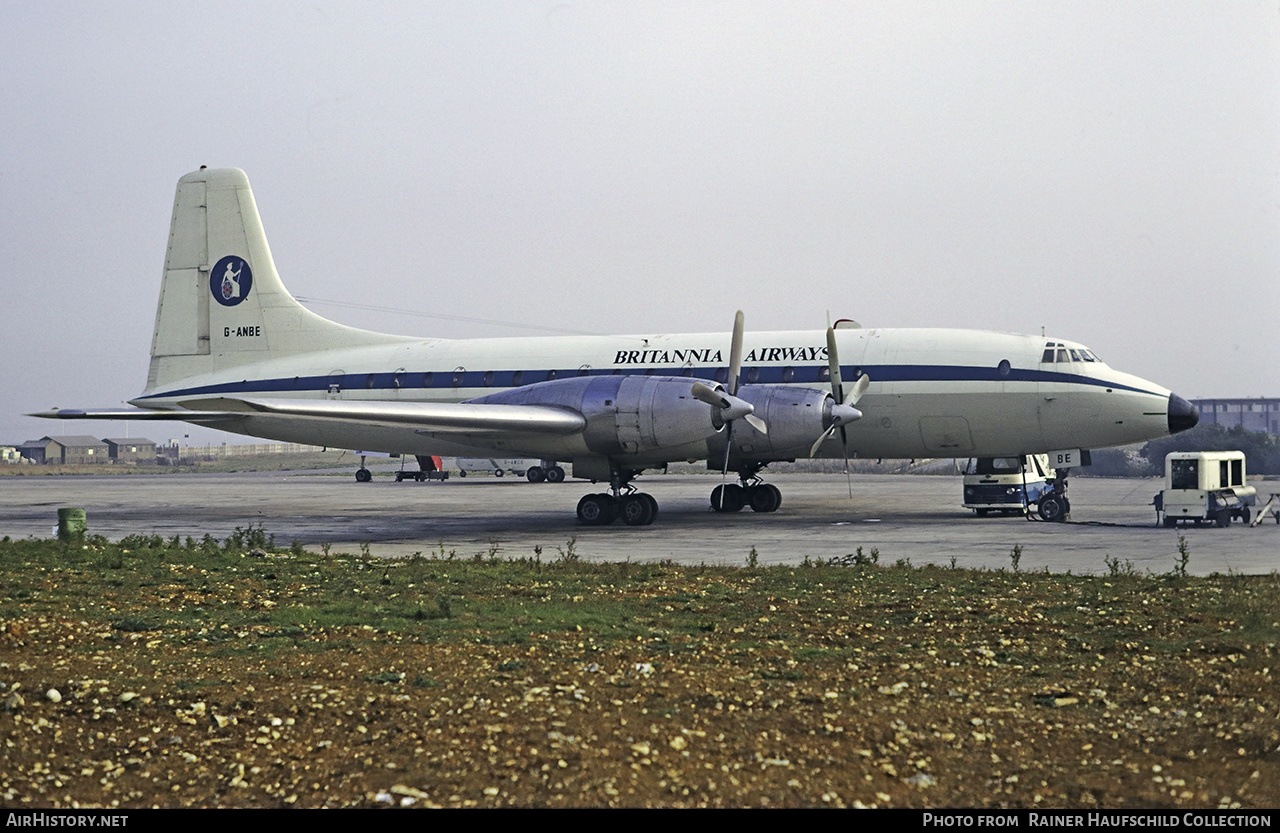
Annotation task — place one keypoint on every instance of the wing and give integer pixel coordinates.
(474, 419)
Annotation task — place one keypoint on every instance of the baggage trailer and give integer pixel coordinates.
(1204, 487)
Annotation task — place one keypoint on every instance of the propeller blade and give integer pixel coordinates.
(735, 355)
(826, 435)
(709, 395)
(859, 388)
(833, 361)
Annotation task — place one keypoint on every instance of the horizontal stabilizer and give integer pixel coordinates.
(444, 417)
(137, 413)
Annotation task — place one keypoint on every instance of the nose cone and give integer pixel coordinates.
(1182, 414)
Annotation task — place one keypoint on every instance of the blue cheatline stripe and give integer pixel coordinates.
(809, 375)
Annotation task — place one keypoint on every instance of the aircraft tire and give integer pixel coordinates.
(764, 498)
(597, 510)
(363, 475)
(727, 498)
(536, 474)
(1053, 509)
(555, 474)
(637, 510)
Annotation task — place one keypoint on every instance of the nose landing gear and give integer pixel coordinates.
(1053, 505)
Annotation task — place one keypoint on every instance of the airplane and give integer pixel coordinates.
(232, 349)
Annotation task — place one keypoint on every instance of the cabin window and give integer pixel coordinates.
(428, 378)
(551, 375)
(585, 370)
(517, 378)
(458, 374)
(1004, 367)
(488, 378)
(788, 374)
(370, 381)
(397, 379)
(753, 375)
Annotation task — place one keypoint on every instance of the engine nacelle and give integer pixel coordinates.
(656, 419)
(627, 416)
(796, 417)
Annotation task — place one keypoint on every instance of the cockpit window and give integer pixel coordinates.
(1056, 351)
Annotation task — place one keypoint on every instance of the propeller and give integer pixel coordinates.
(730, 407)
(842, 410)
(726, 402)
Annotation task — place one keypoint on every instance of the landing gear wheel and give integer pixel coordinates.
(728, 498)
(535, 474)
(498, 472)
(637, 509)
(597, 510)
(555, 474)
(1053, 508)
(363, 475)
(764, 498)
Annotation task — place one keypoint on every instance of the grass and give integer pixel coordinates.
(154, 586)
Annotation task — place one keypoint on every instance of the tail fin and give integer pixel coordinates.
(222, 304)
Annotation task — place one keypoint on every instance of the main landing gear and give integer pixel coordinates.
(753, 492)
(621, 501)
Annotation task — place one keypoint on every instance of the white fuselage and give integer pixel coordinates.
(933, 392)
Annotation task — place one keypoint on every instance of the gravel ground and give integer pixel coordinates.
(633, 685)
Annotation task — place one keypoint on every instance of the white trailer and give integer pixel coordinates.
(1204, 487)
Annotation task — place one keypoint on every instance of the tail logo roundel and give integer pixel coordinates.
(230, 280)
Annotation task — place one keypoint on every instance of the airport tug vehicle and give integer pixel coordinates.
(1204, 487)
(1007, 484)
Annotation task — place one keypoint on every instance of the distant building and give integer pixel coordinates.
(33, 450)
(76, 449)
(1258, 414)
(131, 450)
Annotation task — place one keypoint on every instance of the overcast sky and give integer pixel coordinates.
(1108, 171)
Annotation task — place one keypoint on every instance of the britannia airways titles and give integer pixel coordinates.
(710, 355)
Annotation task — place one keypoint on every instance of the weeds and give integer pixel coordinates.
(569, 551)
(1117, 568)
(1016, 556)
(1184, 557)
(753, 559)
